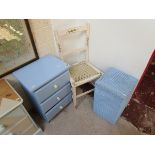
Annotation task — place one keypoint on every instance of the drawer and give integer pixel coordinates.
(51, 101)
(12, 118)
(57, 108)
(31, 130)
(19, 127)
(50, 88)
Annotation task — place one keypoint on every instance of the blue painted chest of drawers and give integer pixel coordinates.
(47, 83)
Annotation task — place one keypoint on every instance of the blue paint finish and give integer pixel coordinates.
(40, 72)
(43, 80)
(44, 92)
(112, 93)
(54, 99)
(58, 107)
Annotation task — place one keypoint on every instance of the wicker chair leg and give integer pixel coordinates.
(74, 96)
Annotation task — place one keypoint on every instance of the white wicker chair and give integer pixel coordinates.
(82, 72)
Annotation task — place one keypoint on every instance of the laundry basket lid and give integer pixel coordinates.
(117, 82)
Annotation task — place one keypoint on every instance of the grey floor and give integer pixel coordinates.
(83, 121)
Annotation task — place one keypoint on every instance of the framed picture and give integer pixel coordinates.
(17, 46)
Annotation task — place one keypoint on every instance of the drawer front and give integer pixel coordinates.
(57, 97)
(31, 130)
(57, 108)
(21, 127)
(49, 89)
(9, 120)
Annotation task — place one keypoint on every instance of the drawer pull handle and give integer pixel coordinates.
(61, 107)
(58, 98)
(55, 86)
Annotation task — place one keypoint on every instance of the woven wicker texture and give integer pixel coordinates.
(112, 94)
(82, 71)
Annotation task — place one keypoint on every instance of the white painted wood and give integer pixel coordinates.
(82, 72)
(75, 51)
(77, 84)
(72, 30)
(7, 105)
(15, 109)
(85, 93)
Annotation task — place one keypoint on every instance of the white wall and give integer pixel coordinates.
(42, 35)
(124, 44)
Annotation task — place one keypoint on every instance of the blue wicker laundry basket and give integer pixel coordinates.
(112, 93)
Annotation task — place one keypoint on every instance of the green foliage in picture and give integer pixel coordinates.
(11, 39)
(17, 47)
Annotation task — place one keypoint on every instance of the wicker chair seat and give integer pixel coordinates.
(82, 71)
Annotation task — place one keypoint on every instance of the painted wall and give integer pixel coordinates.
(124, 44)
(43, 36)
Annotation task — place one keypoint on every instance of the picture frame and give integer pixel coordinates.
(27, 52)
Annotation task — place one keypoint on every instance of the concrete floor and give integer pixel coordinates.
(84, 121)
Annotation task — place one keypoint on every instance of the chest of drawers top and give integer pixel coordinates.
(40, 72)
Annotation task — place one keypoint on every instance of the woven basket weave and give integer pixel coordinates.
(82, 71)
